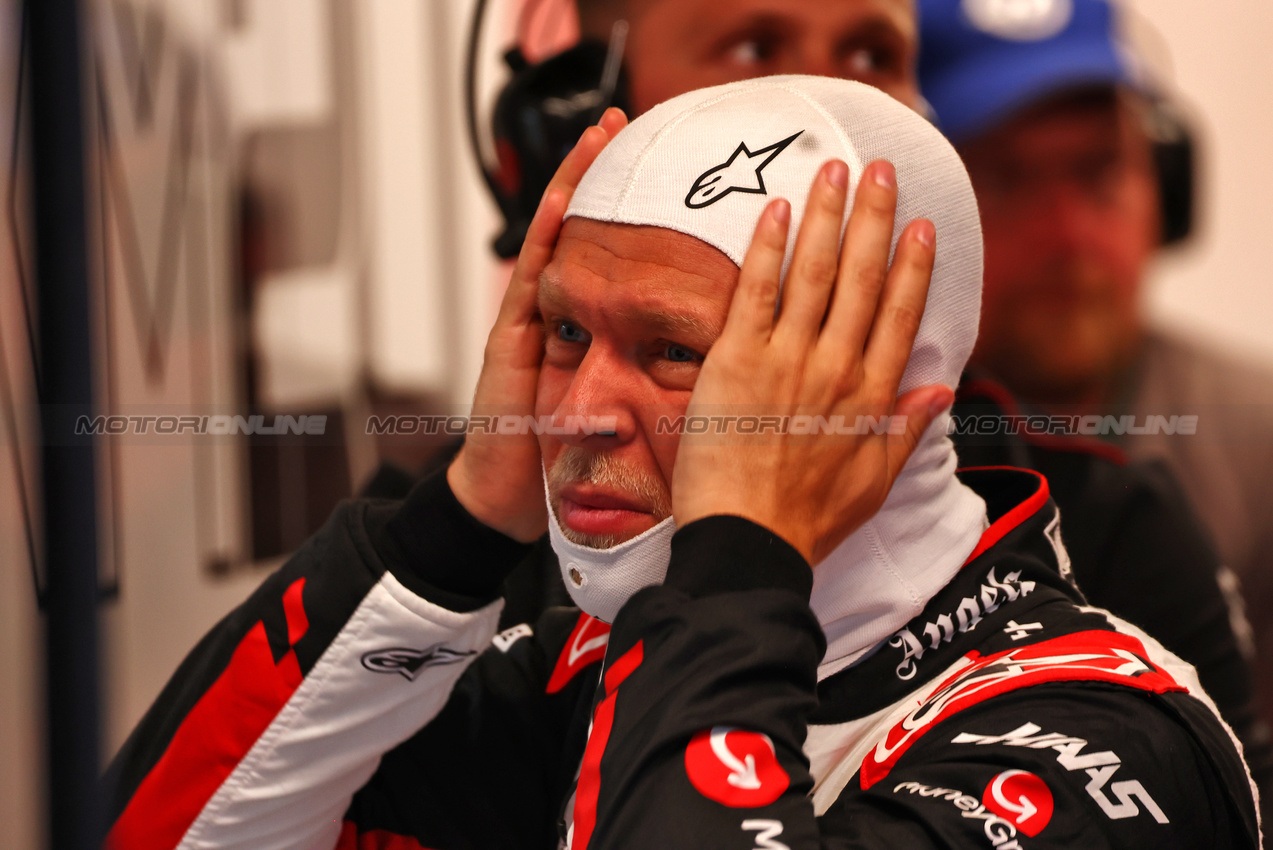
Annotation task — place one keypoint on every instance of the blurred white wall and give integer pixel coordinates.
(401, 297)
(1221, 285)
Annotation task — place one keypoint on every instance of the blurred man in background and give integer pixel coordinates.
(1058, 130)
(674, 47)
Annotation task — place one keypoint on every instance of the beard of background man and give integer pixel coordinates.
(1070, 217)
(1062, 336)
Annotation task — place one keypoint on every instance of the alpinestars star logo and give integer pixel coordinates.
(409, 662)
(740, 173)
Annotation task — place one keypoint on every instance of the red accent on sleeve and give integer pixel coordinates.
(294, 610)
(623, 668)
(589, 787)
(586, 646)
(212, 740)
(735, 767)
(1021, 798)
(376, 839)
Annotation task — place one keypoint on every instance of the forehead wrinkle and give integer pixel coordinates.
(676, 323)
(551, 289)
(552, 292)
(650, 287)
(647, 308)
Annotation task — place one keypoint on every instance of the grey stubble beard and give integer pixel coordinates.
(575, 465)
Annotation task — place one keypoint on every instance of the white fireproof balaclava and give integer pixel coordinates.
(705, 164)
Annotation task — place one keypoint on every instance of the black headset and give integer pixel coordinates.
(546, 106)
(539, 115)
(1174, 162)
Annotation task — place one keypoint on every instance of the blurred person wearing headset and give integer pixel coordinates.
(1082, 172)
(1126, 527)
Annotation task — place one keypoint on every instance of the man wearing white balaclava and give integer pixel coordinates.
(780, 130)
(814, 639)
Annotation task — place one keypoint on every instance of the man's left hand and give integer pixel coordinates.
(837, 346)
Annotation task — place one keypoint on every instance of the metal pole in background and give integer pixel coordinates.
(66, 392)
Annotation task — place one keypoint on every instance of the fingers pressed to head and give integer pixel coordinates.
(751, 313)
(546, 224)
(521, 298)
(811, 276)
(572, 168)
(920, 406)
(590, 144)
(541, 236)
(902, 305)
(864, 258)
(612, 121)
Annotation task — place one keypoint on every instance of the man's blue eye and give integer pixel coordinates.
(567, 332)
(680, 354)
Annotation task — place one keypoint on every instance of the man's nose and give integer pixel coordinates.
(816, 61)
(1062, 216)
(596, 411)
(1075, 219)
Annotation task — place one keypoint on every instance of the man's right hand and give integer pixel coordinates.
(497, 477)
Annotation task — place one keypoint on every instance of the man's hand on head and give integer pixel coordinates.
(837, 345)
(496, 477)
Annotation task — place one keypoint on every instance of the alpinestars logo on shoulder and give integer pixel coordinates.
(409, 662)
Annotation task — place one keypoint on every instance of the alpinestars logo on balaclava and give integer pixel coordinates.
(739, 173)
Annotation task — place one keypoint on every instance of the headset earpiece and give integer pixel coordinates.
(538, 117)
(1174, 156)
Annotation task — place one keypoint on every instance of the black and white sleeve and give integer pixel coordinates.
(286, 707)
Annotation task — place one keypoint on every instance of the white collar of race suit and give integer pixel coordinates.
(884, 573)
(601, 580)
(870, 586)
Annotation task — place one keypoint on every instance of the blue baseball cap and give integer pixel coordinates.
(983, 60)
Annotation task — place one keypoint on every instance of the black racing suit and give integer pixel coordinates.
(361, 699)
(1136, 546)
